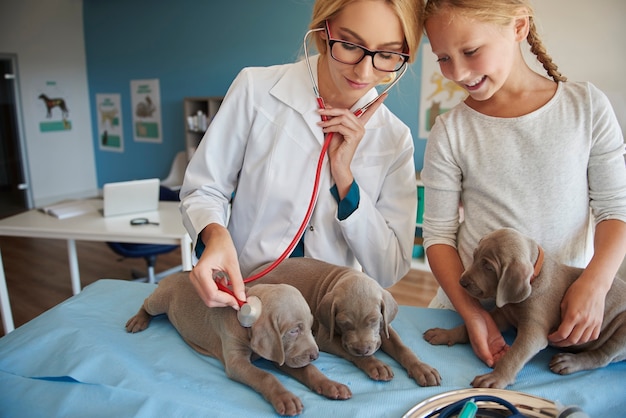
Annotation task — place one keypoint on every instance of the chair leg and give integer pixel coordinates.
(151, 260)
(151, 277)
(163, 274)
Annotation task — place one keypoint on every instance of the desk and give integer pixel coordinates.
(77, 360)
(92, 226)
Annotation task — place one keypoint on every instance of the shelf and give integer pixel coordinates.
(198, 112)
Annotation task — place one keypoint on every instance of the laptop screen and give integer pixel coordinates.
(126, 197)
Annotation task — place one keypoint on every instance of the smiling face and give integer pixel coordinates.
(477, 55)
(369, 23)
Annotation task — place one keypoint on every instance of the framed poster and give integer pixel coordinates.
(146, 108)
(53, 107)
(110, 133)
(438, 93)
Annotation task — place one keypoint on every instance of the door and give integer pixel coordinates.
(15, 195)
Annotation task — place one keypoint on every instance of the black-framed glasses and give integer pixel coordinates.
(350, 53)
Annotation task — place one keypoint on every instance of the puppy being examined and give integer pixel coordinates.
(353, 315)
(282, 334)
(528, 285)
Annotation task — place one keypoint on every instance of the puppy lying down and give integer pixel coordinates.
(528, 285)
(282, 334)
(353, 315)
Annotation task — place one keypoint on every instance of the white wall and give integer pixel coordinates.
(584, 37)
(47, 37)
(586, 40)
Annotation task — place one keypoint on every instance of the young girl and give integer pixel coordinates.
(264, 144)
(542, 155)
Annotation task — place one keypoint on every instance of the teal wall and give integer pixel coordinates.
(194, 48)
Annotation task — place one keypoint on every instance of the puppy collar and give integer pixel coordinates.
(538, 264)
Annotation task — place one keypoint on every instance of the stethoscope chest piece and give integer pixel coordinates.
(249, 312)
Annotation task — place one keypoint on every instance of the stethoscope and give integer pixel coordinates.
(250, 311)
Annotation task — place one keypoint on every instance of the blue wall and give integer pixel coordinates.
(194, 48)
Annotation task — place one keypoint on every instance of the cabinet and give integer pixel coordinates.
(419, 261)
(199, 112)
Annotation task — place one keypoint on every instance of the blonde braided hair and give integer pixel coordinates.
(537, 48)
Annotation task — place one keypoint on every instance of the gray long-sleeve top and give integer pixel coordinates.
(540, 173)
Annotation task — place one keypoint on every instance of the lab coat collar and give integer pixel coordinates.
(295, 90)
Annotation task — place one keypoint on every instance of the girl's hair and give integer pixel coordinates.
(500, 12)
(408, 12)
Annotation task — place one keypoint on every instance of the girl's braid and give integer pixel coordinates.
(537, 48)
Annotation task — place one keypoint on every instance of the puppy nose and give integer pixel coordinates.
(464, 282)
(362, 351)
(314, 355)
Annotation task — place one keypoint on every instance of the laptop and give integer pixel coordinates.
(126, 197)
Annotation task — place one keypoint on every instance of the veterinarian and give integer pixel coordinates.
(541, 155)
(260, 152)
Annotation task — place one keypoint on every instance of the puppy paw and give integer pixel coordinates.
(287, 404)
(565, 363)
(425, 375)
(440, 336)
(138, 322)
(333, 390)
(375, 369)
(491, 380)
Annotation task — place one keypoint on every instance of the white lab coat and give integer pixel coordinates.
(264, 148)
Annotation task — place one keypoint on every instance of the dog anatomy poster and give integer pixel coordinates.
(438, 93)
(53, 106)
(110, 133)
(146, 109)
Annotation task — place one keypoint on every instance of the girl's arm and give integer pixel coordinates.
(487, 341)
(582, 308)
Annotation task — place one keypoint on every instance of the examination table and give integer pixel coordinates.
(77, 360)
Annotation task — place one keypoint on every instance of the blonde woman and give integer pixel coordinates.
(261, 150)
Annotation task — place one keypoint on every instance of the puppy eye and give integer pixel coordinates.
(293, 332)
(345, 326)
(487, 266)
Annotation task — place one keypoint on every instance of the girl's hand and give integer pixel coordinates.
(218, 256)
(582, 311)
(485, 337)
(348, 131)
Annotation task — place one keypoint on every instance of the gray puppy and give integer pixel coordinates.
(282, 334)
(528, 285)
(353, 315)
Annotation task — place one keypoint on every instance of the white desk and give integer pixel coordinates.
(93, 226)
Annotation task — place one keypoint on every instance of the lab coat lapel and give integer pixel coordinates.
(295, 90)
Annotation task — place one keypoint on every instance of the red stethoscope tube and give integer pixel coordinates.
(307, 216)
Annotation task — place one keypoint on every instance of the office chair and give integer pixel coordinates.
(149, 251)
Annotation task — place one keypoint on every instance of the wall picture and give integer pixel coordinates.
(53, 108)
(438, 93)
(110, 133)
(146, 110)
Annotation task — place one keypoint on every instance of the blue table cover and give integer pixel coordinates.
(77, 360)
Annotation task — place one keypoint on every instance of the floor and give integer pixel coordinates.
(38, 277)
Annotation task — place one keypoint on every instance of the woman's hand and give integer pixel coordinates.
(218, 256)
(348, 131)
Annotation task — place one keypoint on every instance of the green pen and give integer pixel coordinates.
(469, 409)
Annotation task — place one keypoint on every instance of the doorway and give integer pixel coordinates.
(15, 194)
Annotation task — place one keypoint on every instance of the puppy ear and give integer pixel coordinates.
(266, 340)
(389, 308)
(325, 313)
(514, 283)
